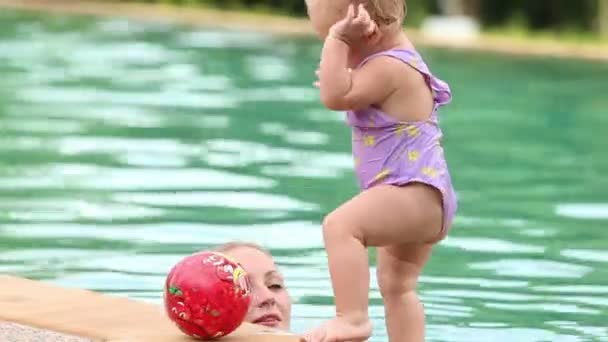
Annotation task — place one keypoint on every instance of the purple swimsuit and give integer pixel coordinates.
(388, 151)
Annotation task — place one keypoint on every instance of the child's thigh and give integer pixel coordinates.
(389, 215)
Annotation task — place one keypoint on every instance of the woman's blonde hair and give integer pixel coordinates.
(229, 246)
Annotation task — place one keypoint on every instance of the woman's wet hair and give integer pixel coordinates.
(229, 246)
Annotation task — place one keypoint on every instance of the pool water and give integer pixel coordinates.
(126, 145)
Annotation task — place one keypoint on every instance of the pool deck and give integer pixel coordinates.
(40, 311)
(12, 332)
(294, 26)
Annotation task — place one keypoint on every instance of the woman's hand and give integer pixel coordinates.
(355, 27)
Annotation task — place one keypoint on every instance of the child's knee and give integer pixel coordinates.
(337, 227)
(397, 279)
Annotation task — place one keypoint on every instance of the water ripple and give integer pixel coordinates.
(586, 255)
(164, 98)
(281, 235)
(492, 246)
(544, 307)
(589, 211)
(533, 268)
(222, 199)
(59, 210)
(300, 163)
(223, 39)
(83, 176)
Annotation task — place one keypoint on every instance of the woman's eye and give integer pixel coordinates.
(275, 286)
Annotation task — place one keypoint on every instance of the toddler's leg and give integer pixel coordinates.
(397, 272)
(381, 216)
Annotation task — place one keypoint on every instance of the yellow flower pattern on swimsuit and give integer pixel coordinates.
(369, 140)
(413, 155)
(429, 171)
(413, 131)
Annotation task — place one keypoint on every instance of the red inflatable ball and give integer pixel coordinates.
(207, 295)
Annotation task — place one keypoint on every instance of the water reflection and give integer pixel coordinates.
(150, 141)
(281, 235)
(61, 210)
(492, 246)
(232, 200)
(586, 255)
(592, 211)
(529, 268)
(92, 96)
(105, 178)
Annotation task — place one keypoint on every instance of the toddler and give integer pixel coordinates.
(370, 69)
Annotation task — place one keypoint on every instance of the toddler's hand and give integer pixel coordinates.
(353, 28)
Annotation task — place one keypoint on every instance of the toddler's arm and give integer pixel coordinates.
(343, 90)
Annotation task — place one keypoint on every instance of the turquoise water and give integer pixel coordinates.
(127, 145)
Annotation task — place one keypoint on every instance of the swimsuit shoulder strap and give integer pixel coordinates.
(441, 90)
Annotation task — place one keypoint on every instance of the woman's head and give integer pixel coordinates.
(388, 14)
(270, 305)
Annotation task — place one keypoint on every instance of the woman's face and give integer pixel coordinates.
(270, 302)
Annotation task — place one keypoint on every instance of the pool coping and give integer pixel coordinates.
(277, 24)
(13, 332)
(31, 308)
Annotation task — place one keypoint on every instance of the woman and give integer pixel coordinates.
(271, 304)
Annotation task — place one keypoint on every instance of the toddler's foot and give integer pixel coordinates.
(340, 329)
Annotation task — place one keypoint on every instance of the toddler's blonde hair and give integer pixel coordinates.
(385, 12)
